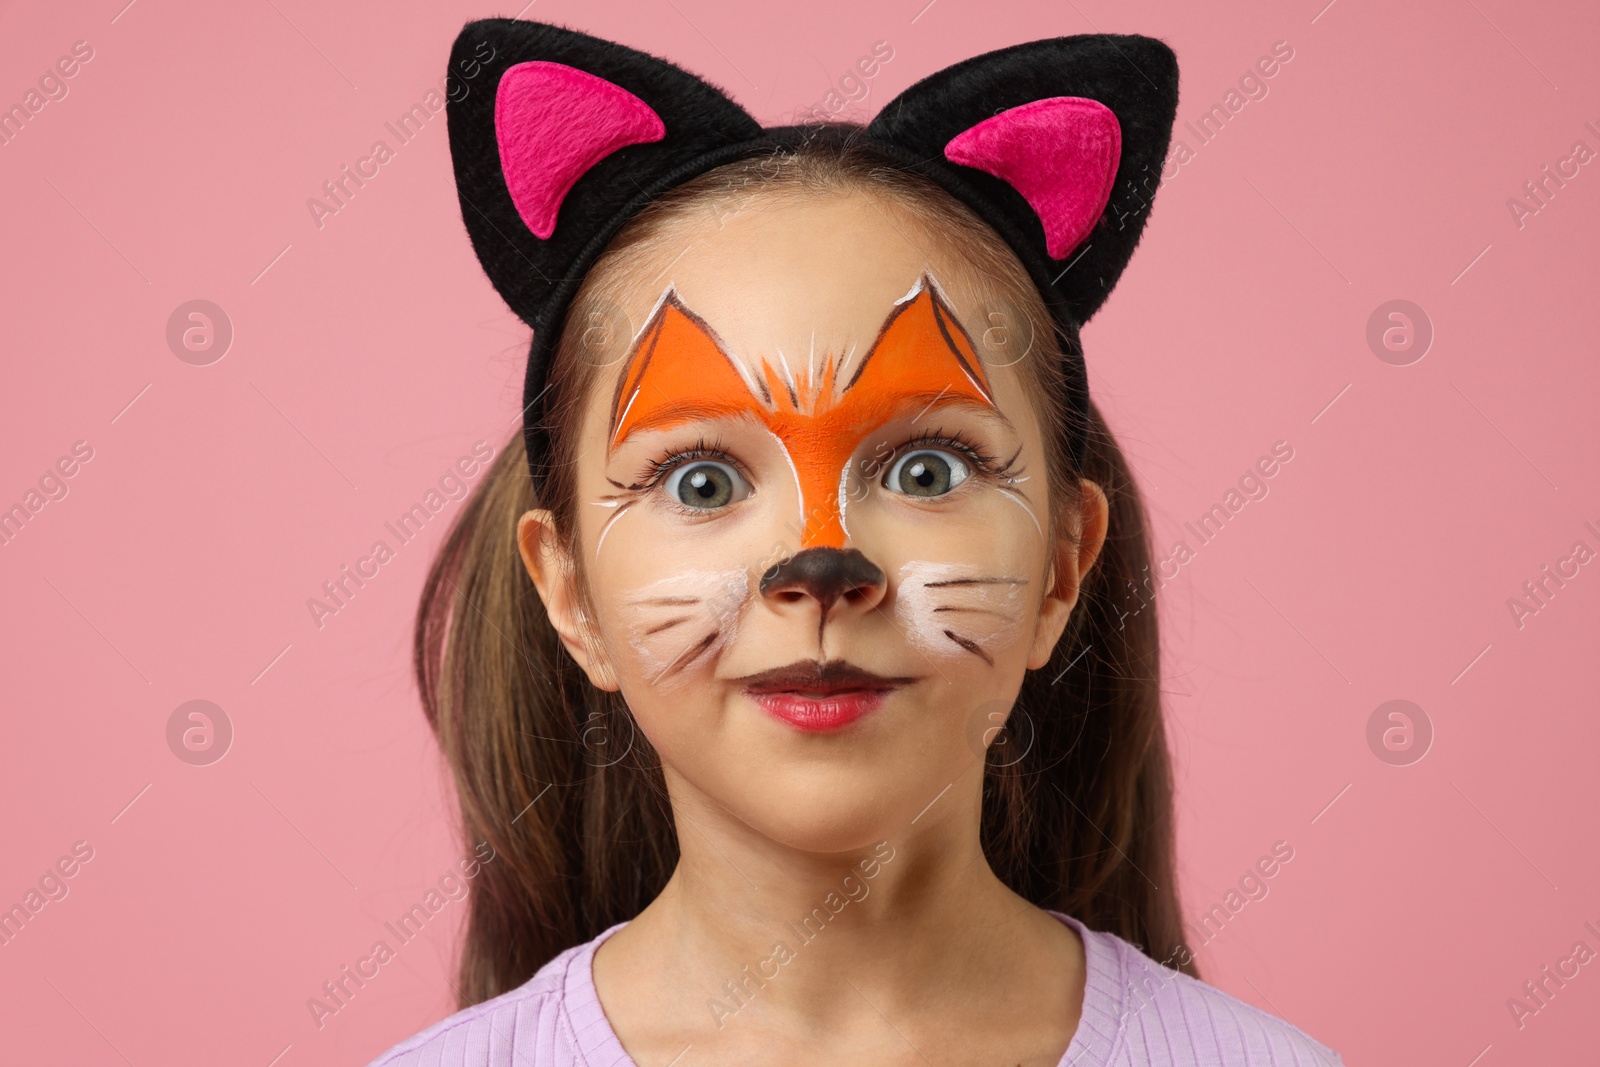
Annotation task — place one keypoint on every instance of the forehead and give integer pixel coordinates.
(796, 273)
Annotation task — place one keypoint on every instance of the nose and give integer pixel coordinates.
(826, 575)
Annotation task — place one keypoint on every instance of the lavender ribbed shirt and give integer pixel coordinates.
(1135, 1012)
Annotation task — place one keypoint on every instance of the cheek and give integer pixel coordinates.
(671, 595)
(962, 609)
(659, 630)
(964, 585)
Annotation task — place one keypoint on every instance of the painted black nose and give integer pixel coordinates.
(825, 574)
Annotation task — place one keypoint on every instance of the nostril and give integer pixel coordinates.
(826, 575)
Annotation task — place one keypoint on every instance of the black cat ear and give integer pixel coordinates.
(1058, 144)
(557, 138)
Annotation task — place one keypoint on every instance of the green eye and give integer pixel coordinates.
(927, 473)
(706, 486)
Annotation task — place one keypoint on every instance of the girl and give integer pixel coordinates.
(789, 660)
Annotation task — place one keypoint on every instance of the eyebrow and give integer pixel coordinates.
(921, 402)
(940, 400)
(665, 418)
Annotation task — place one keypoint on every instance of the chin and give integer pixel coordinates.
(821, 810)
(847, 831)
(823, 791)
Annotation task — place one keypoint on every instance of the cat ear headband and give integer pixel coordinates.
(559, 138)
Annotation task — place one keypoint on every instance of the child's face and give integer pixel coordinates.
(756, 493)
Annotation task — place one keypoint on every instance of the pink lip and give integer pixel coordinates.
(818, 714)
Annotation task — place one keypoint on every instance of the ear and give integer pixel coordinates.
(557, 138)
(1069, 565)
(1061, 154)
(1061, 141)
(552, 124)
(555, 578)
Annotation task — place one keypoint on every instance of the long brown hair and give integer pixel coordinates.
(550, 771)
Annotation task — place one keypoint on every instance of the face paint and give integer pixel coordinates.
(959, 609)
(1009, 492)
(922, 359)
(619, 508)
(676, 622)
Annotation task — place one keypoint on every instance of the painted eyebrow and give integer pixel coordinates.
(676, 414)
(917, 404)
(926, 402)
(707, 409)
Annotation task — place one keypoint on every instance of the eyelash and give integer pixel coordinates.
(657, 469)
(985, 464)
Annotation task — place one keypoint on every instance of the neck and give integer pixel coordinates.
(752, 931)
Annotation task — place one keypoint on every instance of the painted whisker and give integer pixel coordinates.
(974, 581)
(693, 653)
(971, 646)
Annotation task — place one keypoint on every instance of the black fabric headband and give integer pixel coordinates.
(1057, 144)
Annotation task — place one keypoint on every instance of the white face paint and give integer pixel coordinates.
(619, 508)
(683, 619)
(951, 609)
(1015, 496)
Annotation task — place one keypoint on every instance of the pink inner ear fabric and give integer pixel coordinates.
(553, 122)
(1060, 153)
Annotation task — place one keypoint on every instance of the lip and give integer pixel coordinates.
(819, 697)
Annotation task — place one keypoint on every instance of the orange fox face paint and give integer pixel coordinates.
(921, 359)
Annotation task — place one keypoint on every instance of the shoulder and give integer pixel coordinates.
(1149, 1012)
(526, 1026)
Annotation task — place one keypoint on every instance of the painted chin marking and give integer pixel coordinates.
(959, 609)
(683, 620)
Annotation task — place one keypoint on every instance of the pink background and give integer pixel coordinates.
(370, 353)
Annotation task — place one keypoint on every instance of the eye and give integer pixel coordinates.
(705, 485)
(927, 472)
